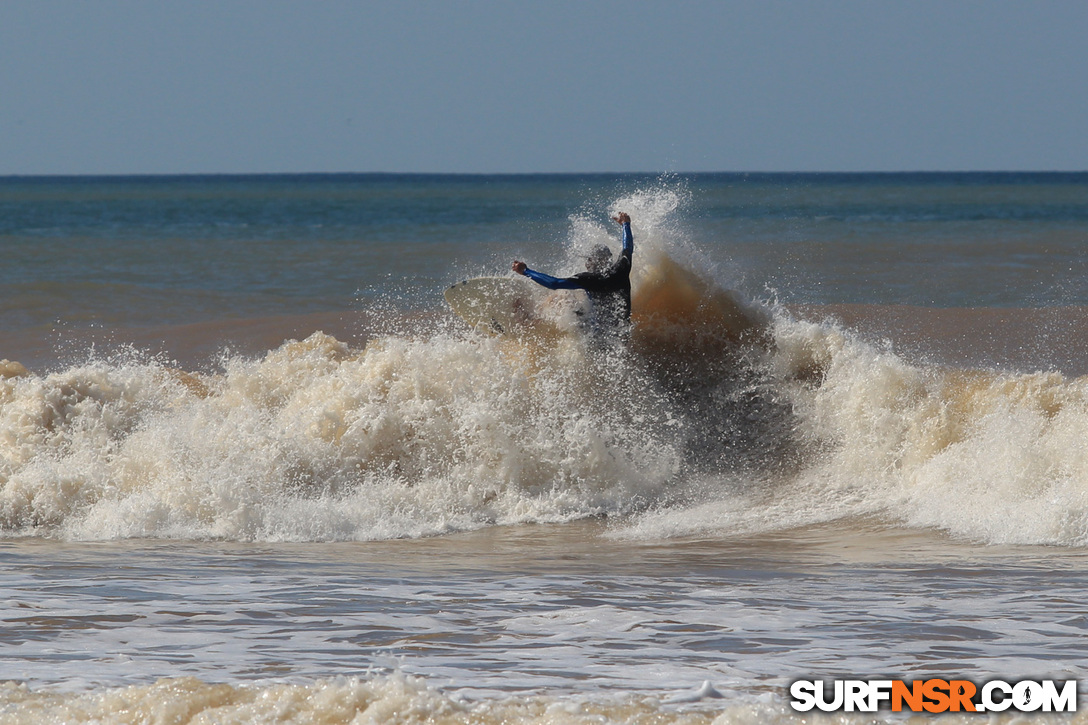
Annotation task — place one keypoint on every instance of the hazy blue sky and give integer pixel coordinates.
(188, 86)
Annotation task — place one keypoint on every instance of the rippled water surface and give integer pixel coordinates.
(544, 608)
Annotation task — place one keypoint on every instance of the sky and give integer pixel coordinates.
(480, 86)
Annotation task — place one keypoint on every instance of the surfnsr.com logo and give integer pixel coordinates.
(934, 696)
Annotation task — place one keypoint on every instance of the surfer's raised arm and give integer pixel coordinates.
(624, 219)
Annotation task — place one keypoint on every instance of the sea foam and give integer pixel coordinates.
(402, 699)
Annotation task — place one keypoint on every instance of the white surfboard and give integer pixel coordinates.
(497, 304)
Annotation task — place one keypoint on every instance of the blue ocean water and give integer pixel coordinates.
(121, 251)
(843, 442)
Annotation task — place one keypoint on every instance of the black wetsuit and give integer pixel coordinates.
(609, 291)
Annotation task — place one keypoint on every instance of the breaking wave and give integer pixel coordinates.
(722, 416)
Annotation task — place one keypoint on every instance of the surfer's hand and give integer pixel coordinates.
(622, 218)
(518, 267)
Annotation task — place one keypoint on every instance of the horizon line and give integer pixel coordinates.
(252, 174)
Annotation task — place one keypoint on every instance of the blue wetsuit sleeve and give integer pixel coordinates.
(628, 241)
(551, 282)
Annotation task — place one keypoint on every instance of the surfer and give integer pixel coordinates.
(607, 283)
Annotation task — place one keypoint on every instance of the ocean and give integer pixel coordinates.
(254, 470)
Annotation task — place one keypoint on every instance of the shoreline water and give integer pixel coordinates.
(524, 623)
